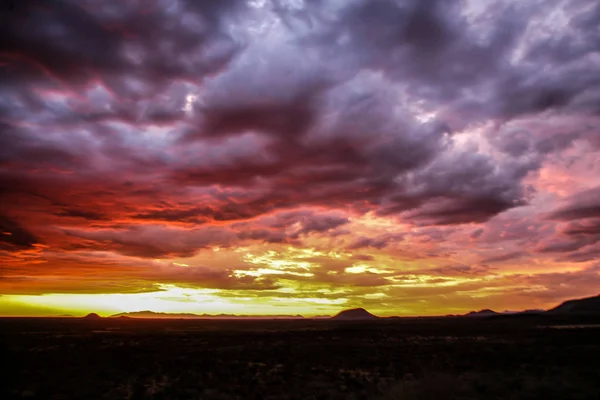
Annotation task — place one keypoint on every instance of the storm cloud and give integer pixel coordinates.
(165, 128)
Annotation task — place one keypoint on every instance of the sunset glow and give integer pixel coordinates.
(296, 157)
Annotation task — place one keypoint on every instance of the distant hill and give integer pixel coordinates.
(152, 314)
(355, 314)
(588, 305)
(92, 316)
(533, 311)
(482, 313)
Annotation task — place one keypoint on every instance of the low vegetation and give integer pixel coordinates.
(412, 359)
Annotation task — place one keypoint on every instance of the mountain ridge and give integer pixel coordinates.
(153, 314)
(586, 305)
(92, 316)
(354, 314)
(482, 313)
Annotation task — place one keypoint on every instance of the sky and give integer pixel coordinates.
(298, 156)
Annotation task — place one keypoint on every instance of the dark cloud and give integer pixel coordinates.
(195, 215)
(560, 245)
(582, 205)
(586, 254)
(154, 241)
(289, 226)
(477, 233)
(88, 215)
(72, 41)
(525, 230)
(504, 257)
(459, 270)
(164, 241)
(335, 137)
(496, 52)
(310, 221)
(266, 235)
(577, 238)
(379, 242)
(583, 227)
(13, 234)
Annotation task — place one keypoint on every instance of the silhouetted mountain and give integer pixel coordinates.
(533, 311)
(588, 305)
(152, 314)
(92, 316)
(355, 314)
(482, 313)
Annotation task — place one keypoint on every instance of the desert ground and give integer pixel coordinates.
(517, 358)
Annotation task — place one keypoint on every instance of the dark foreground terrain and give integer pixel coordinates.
(453, 358)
